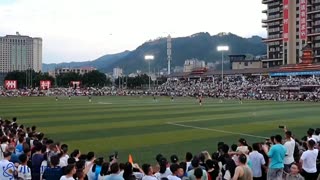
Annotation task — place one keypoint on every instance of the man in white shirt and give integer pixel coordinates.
(7, 168)
(257, 161)
(174, 169)
(289, 145)
(148, 172)
(309, 162)
(24, 171)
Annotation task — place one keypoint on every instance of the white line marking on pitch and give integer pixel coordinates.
(104, 103)
(215, 130)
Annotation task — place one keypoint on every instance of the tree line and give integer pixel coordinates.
(95, 78)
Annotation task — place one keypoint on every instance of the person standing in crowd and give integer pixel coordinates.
(276, 153)
(188, 159)
(258, 162)
(289, 145)
(294, 173)
(148, 172)
(24, 171)
(174, 159)
(183, 171)
(212, 169)
(243, 146)
(243, 172)
(76, 154)
(37, 159)
(3, 146)
(174, 168)
(196, 164)
(54, 171)
(70, 171)
(104, 171)
(7, 168)
(164, 169)
(309, 161)
(114, 170)
(128, 172)
(64, 155)
(198, 174)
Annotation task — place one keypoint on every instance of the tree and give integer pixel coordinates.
(28, 78)
(43, 76)
(19, 76)
(63, 80)
(134, 82)
(95, 78)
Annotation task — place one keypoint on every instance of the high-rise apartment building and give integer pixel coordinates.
(19, 52)
(117, 72)
(291, 25)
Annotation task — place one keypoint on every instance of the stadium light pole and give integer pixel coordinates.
(149, 58)
(222, 49)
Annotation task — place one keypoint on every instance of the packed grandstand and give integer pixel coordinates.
(258, 88)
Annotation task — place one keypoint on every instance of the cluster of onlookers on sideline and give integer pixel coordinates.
(266, 88)
(277, 89)
(27, 154)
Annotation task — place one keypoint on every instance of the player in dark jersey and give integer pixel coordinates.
(200, 100)
(69, 97)
(56, 98)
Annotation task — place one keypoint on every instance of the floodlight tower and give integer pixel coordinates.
(169, 53)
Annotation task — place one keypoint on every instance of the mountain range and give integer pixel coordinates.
(201, 46)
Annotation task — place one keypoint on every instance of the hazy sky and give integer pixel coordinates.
(79, 30)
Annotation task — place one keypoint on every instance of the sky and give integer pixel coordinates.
(81, 30)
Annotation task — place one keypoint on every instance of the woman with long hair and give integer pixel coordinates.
(75, 154)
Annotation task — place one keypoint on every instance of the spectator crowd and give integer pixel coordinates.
(28, 154)
(234, 87)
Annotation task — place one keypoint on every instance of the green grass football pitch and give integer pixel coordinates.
(144, 128)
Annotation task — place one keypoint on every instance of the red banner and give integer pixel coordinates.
(75, 84)
(303, 19)
(45, 85)
(285, 20)
(10, 84)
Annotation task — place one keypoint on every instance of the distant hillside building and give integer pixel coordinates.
(117, 72)
(240, 62)
(210, 65)
(191, 64)
(291, 24)
(178, 69)
(81, 71)
(19, 52)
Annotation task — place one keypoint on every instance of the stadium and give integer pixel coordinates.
(196, 113)
(168, 109)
